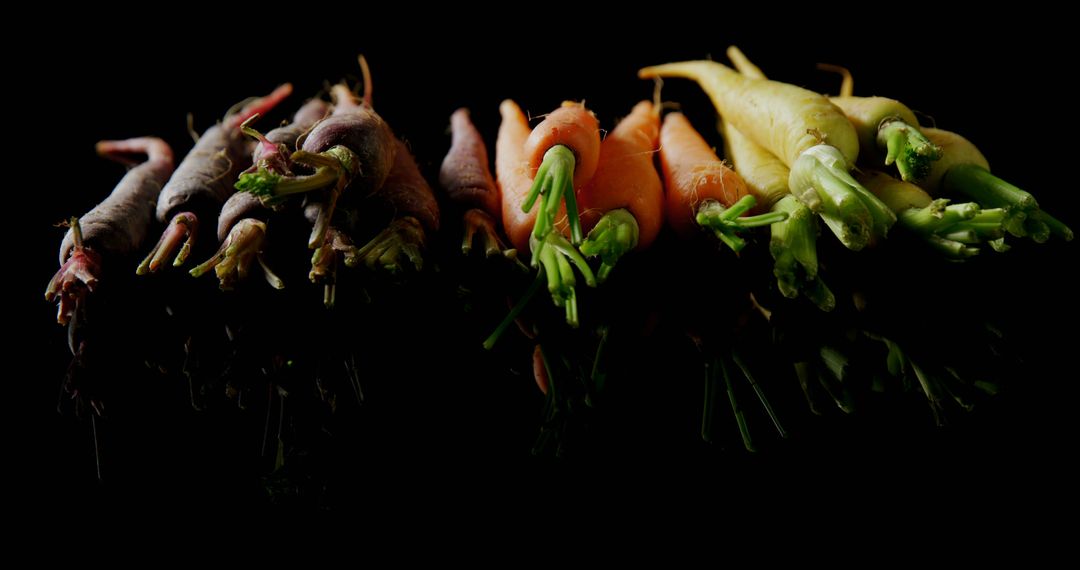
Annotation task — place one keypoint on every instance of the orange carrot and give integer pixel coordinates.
(701, 189)
(512, 173)
(625, 176)
(623, 204)
(563, 152)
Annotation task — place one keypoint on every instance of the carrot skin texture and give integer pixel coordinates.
(465, 174)
(626, 176)
(574, 127)
(119, 224)
(512, 174)
(692, 174)
(406, 192)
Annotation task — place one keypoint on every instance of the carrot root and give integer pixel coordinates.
(908, 148)
(75, 279)
(554, 182)
(479, 223)
(615, 234)
(180, 233)
(233, 260)
(397, 247)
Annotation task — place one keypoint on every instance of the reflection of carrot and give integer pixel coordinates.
(701, 189)
(563, 152)
(511, 170)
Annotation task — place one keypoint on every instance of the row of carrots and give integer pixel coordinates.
(559, 194)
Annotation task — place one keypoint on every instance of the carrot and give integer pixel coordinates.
(953, 229)
(622, 207)
(562, 153)
(964, 170)
(551, 252)
(701, 189)
(886, 125)
(464, 173)
(805, 131)
(242, 221)
(114, 228)
(511, 171)
(466, 178)
(352, 148)
(203, 181)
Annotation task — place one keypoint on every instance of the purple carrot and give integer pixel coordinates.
(204, 180)
(241, 224)
(466, 177)
(115, 227)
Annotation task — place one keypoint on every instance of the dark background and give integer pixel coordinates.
(1006, 95)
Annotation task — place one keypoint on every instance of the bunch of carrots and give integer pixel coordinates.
(561, 203)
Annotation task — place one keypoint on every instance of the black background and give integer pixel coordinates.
(1004, 94)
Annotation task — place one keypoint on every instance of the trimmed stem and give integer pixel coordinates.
(615, 234)
(726, 222)
(554, 182)
(820, 180)
(794, 250)
(978, 184)
(518, 307)
(907, 147)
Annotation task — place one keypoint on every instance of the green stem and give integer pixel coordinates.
(978, 184)
(953, 228)
(820, 180)
(907, 147)
(727, 222)
(1057, 227)
(760, 394)
(554, 184)
(614, 235)
(793, 246)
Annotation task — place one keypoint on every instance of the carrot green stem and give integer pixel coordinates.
(978, 184)
(183, 225)
(907, 147)
(820, 179)
(396, 247)
(954, 228)
(615, 234)
(330, 167)
(518, 307)
(553, 184)
(794, 250)
(1054, 225)
(555, 255)
(711, 389)
(726, 222)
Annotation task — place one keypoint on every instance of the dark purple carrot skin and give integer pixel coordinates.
(205, 178)
(465, 174)
(357, 127)
(305, 118)
(246, 205)
(407, 193)
(119, 224)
